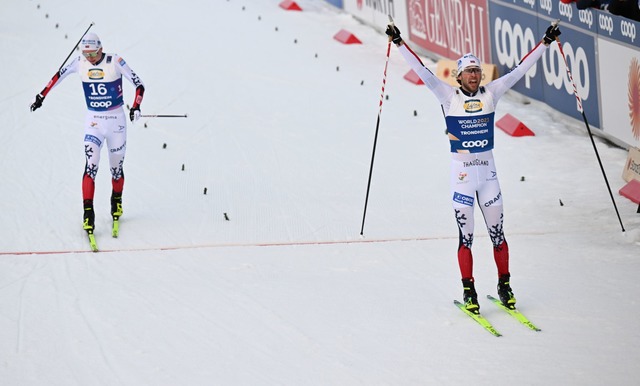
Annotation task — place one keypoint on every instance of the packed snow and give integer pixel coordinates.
(265, 279)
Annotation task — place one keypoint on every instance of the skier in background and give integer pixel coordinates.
(101, 76)
(469, 114)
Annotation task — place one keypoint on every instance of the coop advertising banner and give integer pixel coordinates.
(517, 27)
(602, 50)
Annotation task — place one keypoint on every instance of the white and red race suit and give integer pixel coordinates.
(105, 119)
(470, 126)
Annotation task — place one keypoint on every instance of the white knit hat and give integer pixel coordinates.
(466, 61)
(90, 42)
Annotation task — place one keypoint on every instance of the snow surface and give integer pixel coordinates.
(280, 128)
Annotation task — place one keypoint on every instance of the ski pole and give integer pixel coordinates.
(163, 116)
(584, 117)
(74, 47)
(375, 139)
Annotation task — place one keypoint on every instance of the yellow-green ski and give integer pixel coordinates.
(92, 241)
(115, 229)
(478, 318)
(515, 313)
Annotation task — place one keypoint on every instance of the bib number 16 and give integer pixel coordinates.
(98, 89)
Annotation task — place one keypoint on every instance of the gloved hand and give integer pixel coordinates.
(134, 113)
(550, 35)
(394, 33)
(38, 103)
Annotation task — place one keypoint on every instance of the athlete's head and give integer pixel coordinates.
(91, 47)
(90, 42)
(469, 72)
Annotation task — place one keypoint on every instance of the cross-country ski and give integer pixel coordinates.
(515, 313)
(92, 241)
(481, 320)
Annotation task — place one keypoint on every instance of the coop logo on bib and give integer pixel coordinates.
(479, 143)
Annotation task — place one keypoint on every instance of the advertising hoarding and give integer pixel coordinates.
(620, 91)
(337, 3)
(376, 12)
(602, 50)
(517, 27)
(450, 28)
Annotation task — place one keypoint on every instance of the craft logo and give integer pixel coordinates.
(118, 148)
(493, 200)
(634, 97)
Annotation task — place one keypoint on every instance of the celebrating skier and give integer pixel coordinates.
(469, 114)
(101, 76)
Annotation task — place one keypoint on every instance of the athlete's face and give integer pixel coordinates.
(470, 79)
(93, 57)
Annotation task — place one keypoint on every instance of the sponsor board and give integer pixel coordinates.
(632, 166)
(607, 83)
(618, 28)
(586, 19)
(502, 32)
(450, 28)
(579, 49)
(620, 91)
(516, 31)
(377, 12)
(337, 3)
(514, 34)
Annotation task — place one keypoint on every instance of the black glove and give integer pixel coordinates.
(38, 103)
(394, 33)
(134, 113)
(550, 35)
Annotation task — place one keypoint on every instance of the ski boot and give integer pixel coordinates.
(470, 297)
(116, 205)
(505, 293)
(88, 216)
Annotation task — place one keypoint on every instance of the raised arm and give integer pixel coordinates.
(440, 88)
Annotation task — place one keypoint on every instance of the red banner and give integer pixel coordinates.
(450, 28)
